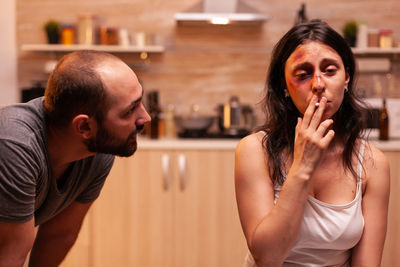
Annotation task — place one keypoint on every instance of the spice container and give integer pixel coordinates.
(67, 34)
(385, 38)
(362, 35)
(85, 29)
(373, 38)
(108, 35)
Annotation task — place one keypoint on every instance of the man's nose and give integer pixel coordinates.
(318, 84)
(146, 115)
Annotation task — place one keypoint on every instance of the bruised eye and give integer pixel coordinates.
(301, 75)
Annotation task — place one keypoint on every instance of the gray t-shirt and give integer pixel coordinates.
(27, 185)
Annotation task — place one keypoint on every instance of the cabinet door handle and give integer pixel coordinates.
(182, 171)
(166, 171)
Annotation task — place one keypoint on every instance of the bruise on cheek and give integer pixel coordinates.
(294, 83)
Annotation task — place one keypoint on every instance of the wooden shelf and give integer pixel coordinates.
(376, 51)
(105, 48)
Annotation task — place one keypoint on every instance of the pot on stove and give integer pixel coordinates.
(234, 118)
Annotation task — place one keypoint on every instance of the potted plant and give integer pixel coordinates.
(350, 32)
(52, 29)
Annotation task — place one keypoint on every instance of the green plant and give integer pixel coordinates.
(350, 32)
(52, 29)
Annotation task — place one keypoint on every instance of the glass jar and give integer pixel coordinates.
(67, 34)
(385, 38)
(85, 29)
(373, 38)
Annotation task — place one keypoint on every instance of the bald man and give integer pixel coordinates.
(57, 150)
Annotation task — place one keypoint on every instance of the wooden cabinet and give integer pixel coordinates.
(392, 245)
(80, 253)
(169, 208)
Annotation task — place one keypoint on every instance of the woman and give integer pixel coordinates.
(310, 190)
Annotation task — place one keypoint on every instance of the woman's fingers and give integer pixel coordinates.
(308, 114)
(326, 140)
(323, 134)
(316, 118)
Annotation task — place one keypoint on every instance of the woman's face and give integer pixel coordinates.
(316, 69)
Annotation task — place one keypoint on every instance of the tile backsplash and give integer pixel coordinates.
(202, 65)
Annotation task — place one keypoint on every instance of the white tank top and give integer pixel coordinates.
(327, 232)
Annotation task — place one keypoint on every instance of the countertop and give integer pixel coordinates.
(227, 144)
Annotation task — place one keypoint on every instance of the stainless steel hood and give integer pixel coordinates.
(221, 12)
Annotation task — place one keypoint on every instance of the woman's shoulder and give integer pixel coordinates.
(376, 162)
(251, 142)
(374, 154)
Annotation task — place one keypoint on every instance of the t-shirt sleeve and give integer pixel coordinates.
(18, 172)
(100, 169)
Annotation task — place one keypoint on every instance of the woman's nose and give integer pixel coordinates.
(318, 84)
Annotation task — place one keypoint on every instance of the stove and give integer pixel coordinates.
(204, 134)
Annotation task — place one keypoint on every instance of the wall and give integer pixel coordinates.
(8, 54)
(201, 65)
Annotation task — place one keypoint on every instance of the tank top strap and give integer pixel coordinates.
(360, 161)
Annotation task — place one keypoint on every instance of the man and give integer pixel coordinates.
(56, 152)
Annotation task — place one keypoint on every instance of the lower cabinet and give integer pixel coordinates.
(164, 208)
(168, 208)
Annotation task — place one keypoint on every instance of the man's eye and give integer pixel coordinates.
(132, 109)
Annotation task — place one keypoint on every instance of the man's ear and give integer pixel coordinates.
(84, 126)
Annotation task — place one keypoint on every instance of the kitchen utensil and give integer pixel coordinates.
(235, 118)
(199, 123)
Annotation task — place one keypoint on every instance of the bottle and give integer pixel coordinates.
(169, 121)
(384, 122)
(154, 112)
(301, 15)
(85, 29)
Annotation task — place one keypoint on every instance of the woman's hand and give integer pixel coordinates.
(312, 137)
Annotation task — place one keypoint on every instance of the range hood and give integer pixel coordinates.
(221, 12)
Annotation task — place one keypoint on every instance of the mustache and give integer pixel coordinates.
(139, 128)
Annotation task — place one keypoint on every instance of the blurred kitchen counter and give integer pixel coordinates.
(227, 144)
(188, 144)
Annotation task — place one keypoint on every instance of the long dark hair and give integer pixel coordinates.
(282, 114)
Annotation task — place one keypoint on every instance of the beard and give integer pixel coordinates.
(107, 143)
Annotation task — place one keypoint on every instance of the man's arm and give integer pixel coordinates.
(56, 236)
(16, 239)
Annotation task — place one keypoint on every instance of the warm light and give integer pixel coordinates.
(220, 20)
(143, 55)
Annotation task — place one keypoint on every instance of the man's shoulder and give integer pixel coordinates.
(22, 123)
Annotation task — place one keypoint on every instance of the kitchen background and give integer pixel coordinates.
(194, 222)
(201, 64)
